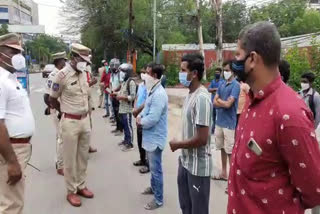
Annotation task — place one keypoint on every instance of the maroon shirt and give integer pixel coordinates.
(285, 179)
(105, 79)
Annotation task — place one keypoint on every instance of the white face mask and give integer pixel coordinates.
(305, 86)
(122, 76)
(143, 76)
(81, 66)
(150, 82)
(18, 61)
(227, 75)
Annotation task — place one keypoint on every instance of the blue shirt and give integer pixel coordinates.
(154, 120)
(141, 95)
(215, 84)
(227, 118)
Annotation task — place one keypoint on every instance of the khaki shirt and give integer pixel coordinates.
(49, 80)
(73, 90)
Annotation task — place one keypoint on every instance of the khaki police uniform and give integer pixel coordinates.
(72, 88)
(15, 110)
(54, 113)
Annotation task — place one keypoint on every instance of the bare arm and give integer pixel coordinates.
(200, 139)
(225, 104)
(6, 150)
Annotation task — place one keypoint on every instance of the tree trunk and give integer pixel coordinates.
(200, 34)
(219, 36)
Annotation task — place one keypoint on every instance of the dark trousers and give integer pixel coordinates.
(142, 152)
(194, 192)
(127, 127)
(115, 106)
(214, 118)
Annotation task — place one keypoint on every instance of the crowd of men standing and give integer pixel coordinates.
(264, 128)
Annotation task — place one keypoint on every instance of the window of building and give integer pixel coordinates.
(3, 10)
(314, 1)
(4, 21)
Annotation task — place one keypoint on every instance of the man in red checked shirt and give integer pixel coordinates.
(275, 162)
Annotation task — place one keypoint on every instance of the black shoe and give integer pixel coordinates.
(105, 116)
(127, 148)
(93, 109)
(121, 143)
(144, 170)
(114, 131)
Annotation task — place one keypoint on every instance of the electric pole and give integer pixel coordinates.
(219, 34)
(154, 29)
(200, 34)
(130, 48)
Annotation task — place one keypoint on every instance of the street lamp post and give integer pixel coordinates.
(154, 29)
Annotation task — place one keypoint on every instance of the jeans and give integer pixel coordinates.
(127, 126)
(155, 164)
(214, 117)
(115, 106)
(194, 192)
(142, 152)
(106, 102)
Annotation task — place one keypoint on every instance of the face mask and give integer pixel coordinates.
(150, 82)
(122, 76)
(143, 76)
(227, 75)
(305, 86)
(81, 66)
(238, 66)
(18, 61)
(217, 76)
(183, 79)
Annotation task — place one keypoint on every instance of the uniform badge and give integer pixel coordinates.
(49, 83)
(55, 87)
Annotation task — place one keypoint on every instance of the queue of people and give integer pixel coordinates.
(264, 129)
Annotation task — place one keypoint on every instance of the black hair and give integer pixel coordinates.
(218, 69)
(309, 76)
(263, 38)
(227, 62)
(150, 65)
(57, 61)
(157, 69)
(195, 63)
(284, 68)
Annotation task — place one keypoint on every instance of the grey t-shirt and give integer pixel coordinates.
(197, 111)
(316, 100)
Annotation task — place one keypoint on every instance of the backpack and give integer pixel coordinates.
(311, 103)
(128, 88)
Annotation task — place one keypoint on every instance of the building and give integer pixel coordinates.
(22, 16)
(314, 4)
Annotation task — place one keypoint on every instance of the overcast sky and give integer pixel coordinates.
(49, 14)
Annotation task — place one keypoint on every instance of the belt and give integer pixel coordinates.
(20, 140)
(75, 116)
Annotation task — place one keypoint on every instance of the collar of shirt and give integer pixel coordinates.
(267, 91)
(8, 74)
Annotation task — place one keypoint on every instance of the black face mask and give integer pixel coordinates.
(238, 67)
(217, 76)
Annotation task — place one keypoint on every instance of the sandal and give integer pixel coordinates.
(152, 205)
(144, 170)
(219, 178)
(138, 163)
(148, 191)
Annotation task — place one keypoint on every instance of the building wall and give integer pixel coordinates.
(12, 13)
(174, 57)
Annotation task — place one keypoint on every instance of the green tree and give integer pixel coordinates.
(43, 46)
(4, 29)
(308, 23)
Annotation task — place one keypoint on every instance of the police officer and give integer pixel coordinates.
(71, 86)
(59, 61)
(16, 126)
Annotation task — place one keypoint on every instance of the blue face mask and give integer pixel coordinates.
(183, 79)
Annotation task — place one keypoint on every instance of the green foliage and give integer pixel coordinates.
(143, 59)
(172, 73)
(299, 64)
(308, 23)
(44, 46)
(4, 29)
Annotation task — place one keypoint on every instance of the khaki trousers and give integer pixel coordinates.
(12, 197)
(59, 154)
(76, 137)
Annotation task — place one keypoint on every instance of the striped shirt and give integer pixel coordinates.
(197, 111)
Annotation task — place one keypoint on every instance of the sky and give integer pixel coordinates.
(49, 14)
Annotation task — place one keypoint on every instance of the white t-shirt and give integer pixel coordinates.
(318, 134)
(15, 106)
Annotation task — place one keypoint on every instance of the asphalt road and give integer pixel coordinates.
(111, 176)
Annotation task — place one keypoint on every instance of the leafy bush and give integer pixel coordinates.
(172, 73)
